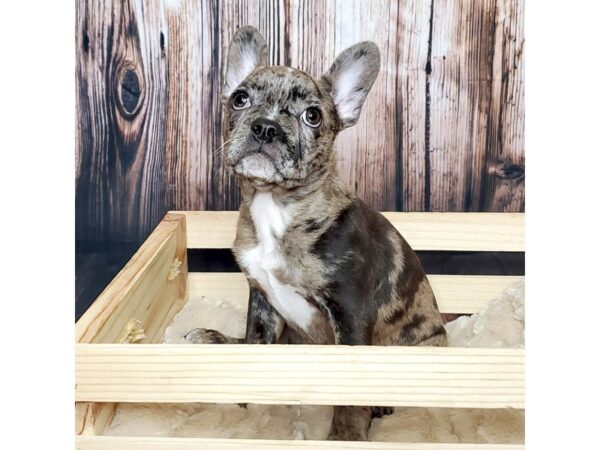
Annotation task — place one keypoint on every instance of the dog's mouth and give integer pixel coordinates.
(258, 152)
(256, 149)
(264, 163)
(257, 164)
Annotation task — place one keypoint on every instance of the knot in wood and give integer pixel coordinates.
(509, 171)
(174, 269)
(130, 91)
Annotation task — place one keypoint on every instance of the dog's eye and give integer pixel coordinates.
(312, 117)
(240, 100)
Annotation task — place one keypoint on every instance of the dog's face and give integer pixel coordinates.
(280, 123)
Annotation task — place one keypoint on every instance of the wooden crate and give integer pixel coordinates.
(155, 284)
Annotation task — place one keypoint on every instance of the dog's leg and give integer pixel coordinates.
(289, 336)
(437, 340)
(264, 325)
(350, 423)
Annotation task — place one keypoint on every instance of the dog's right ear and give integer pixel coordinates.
(247, 51)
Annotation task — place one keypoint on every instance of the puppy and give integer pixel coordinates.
(323, 267)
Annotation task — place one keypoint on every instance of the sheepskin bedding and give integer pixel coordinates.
(500, 324)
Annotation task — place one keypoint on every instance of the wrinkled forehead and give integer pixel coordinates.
(284, 85)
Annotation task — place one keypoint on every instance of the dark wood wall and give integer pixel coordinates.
(442, 129)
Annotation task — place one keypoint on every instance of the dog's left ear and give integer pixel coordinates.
(247, 51)
(350, 79)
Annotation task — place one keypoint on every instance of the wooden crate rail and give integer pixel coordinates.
(301, 374)
(492, 232)
(455, 294)
(149, 290)
(160, 443)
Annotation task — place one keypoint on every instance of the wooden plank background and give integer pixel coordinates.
(442, 129)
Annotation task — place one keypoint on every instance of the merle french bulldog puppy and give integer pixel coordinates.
(323, 267)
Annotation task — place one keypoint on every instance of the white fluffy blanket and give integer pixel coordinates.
(500, 324)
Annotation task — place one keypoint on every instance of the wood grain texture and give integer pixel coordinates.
(504, 173)
(143, 291)
(475, 150)
(193, 104)
(500, 232)
(160, 443)
(121, 110)
(442, 129)
(455, 294)
(301, 374)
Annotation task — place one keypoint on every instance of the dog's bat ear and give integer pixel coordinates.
(350, 78)
(247, 51)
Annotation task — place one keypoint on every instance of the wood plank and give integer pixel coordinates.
(504, 170)
(458, 86)
(475, 148)
(191, 49)
(210, 229)
(121, 106)
(301, 374)
(423, 231)
(142, 290)
(467, 294)
(161, 443)
(412, 114)
(455, 294)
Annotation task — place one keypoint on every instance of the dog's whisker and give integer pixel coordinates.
(220, 149)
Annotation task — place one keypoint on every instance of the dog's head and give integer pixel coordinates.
(280, 123)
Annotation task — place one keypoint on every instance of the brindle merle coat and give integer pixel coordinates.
(323, 267)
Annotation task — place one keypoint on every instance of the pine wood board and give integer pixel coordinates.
(160, 443)
(301, 374)
(141, 290)
(500, 232)
(455, 294)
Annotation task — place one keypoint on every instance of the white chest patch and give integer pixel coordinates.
(270, 221)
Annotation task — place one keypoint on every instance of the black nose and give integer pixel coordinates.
(265, 130)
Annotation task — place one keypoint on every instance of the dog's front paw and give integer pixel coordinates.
(378, 412)
(204, 336)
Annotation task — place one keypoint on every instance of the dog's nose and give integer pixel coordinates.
(265, 130)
